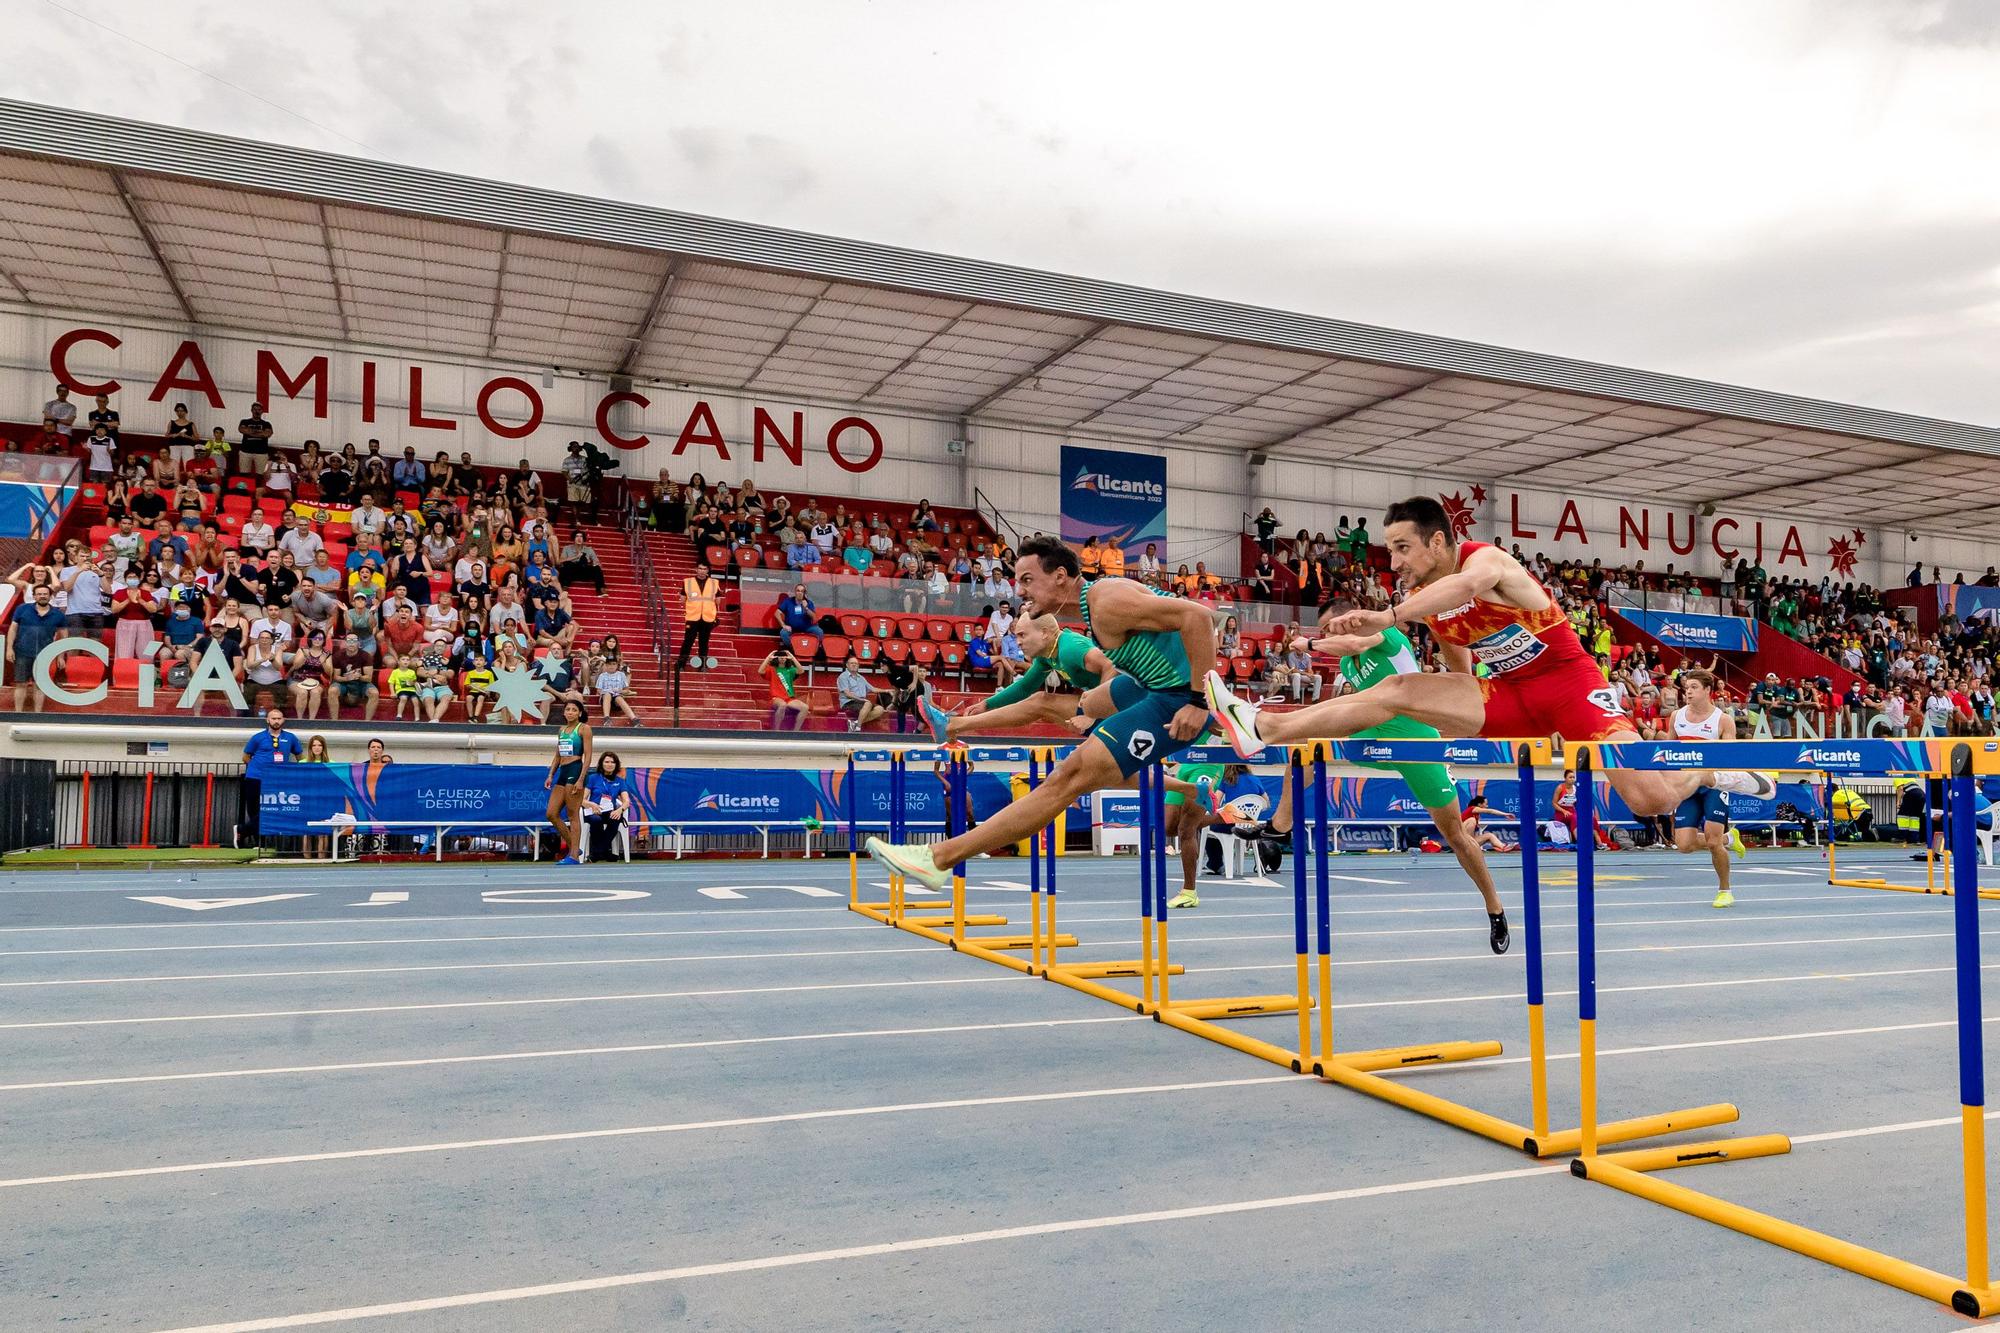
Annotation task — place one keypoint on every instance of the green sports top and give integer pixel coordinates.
(1071, 655)
(1391, 657)
(1156, 658)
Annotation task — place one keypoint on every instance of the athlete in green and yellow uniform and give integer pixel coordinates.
(1365, 660)
(1061, 658)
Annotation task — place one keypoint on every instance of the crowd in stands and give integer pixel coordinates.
(424, 580)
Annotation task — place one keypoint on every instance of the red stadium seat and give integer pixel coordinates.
(968, 630)
(749, 557)
(896, 650)
(336, 554)
(837, 647)
(952, 655)
(1243, 668)
(865, 650)
(909, 627)
(938, 630)
(923, 654)
(853, 624)
(717, 557)
(881, 626)
(439, 583)
(125, 673)
(235, 503)
(229, 523)
(411, 500)
(82, 671)
(99, 533)
(336, 532)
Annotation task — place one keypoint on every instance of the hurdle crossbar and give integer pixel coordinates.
(1633, 1172)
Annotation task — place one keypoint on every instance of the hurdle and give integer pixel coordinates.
(1633, 1172)
(1938, 873)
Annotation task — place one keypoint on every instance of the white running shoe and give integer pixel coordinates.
(1238, 717)
(1744, 783)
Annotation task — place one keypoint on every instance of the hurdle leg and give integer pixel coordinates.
(1586, 955)
(1145, 897)
(1157, 803)
(1296, 776)
(1323, 903)
(1531, 929)
(1964, 866)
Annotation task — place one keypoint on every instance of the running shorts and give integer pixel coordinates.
(1571, 701)
(1706, 806)
(1137, 733)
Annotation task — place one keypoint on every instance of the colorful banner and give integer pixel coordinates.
(1968, 601)
(1116, 497)
(1722, 634)
(314, 512)
(728, 800)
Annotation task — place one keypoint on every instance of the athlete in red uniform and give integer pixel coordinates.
(1481, 605)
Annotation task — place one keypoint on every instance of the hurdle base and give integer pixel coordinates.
(1237, 1006)
(1018, 941)
(1124, 968)
(1568, 1141)
(946, 921)
(1885, 886)
(1409, 1057)
(1694, 1154)
(1953, 1292)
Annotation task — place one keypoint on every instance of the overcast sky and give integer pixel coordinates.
(1801, 195)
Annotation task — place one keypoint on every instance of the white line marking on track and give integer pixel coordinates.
(1008, 980)
(769, 1262)
(382, 900)
(210, 904)
(636, 1131)
(506, 1056)
(474, 967)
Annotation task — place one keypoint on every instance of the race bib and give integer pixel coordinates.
(1508, 649)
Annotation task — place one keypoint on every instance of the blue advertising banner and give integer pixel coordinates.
(1831, 756)
(726, 800)
(1725, 634)
(1968, 601)
(1116, 497)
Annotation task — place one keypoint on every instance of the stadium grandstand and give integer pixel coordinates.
(509, 415)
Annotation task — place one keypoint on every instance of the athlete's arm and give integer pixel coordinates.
(1477, 577)
(1024, 686)
(1131, 607)
(1457, 658)
(1340, 645)
(1727, 730)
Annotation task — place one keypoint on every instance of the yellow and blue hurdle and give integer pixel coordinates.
(1631, 1172)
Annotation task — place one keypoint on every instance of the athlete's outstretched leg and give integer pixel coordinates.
(1451, 703)
(1090, 767)
(1044, 707)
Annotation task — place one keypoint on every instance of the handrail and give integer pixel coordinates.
(982, 504)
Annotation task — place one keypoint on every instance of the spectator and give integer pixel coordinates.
(353, 680)
(1305, 681)
(1150, 567)
(254, 434)
(801, 552)
(59, 414)
(612, 682)
(1267, 528)
(781, 672)
(579, 562)
(1264, 579)
(907, 684)
(262, 753)
(798, 614)
(33, 628)
(858, 699)
(1091, 557)
(86, 597)
(105, 415)
(403, 686)
(402, 636)
(607, 804)
(102, 450)
(701, 598)
(554, 627)
(311, 670)
(1009, 659)
(999, 623)
(576, 479)
(434, 681)
(824, 533)
(1114, 561)
(133, 605)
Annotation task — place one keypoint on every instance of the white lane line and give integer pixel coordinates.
(388, 899)
(1549, 916)
(507, 1056)
(929, 952)
(636, 1131)
(1601, 990)
(769, 1262)
(476, 967)
(1009, 980)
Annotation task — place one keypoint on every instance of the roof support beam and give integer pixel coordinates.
(1147, 387)
(499, 291)
(146, 235)
(1608, 448)
(916, 352)
(1072, 345)
(786, 336)
(333, 271)
(1244, 402)
(20, 291)
(635, 341)
(1838, 474)
(1265, 446)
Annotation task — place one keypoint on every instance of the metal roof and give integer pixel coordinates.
(100, 214)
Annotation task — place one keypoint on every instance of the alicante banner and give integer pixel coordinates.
(1722, 634)
(1117, 497)
(298, 798)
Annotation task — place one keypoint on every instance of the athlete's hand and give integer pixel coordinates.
(975, 708)
(1080, 724)
(1189, 723)
(1360, 622)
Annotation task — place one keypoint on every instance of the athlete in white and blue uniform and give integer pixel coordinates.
(1702, 820)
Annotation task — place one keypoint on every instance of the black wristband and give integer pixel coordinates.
(1197, 698)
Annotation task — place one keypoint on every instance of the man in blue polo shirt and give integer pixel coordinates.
(262, 752)
(35, 627)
